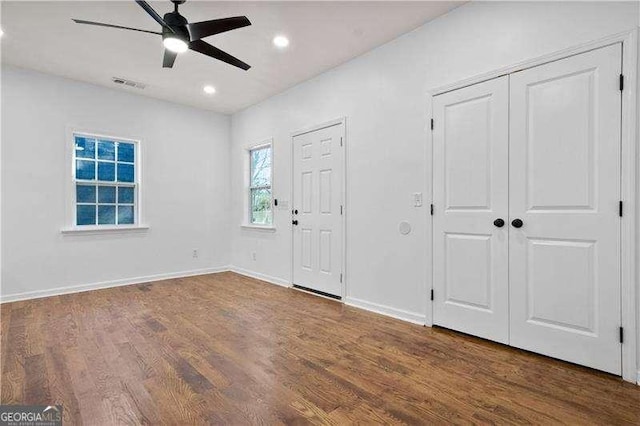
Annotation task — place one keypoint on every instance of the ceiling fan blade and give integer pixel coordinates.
(198, 30)
(100, 24)
(169, 58)
(147, 8)
(209, 50)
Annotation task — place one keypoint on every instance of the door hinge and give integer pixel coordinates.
(621, 335)
(341, 210)
(431, 294)
(341, 277)
(621, 82)
(341, 141)
(620, 209)
(431, 209)
(432, 124)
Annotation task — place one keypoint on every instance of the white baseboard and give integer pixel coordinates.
(638, 379)
(107, 284)
(400, 314)
(259, 276)
(369, 306)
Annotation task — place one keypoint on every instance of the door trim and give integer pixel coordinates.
(336, 122)
(629, 168)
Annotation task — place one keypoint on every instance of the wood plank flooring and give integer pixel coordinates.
(226, 349)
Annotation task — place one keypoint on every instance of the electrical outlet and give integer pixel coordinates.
(195, 253)
(253, 255)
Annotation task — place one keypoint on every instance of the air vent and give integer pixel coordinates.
(128, 83)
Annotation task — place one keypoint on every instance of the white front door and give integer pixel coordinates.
(564, 185)
(470, 175)
(318, 172)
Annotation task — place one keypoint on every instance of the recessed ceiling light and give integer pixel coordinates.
(281, 41)
(209, 90)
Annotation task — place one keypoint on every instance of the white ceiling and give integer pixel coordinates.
(41, 36)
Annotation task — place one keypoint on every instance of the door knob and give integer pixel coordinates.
(517, 223)
(294, 222)
(499, 223)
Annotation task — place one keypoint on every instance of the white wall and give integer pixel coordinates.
(383, 96)
(185, 185)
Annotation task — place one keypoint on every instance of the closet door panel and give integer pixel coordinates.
(470, 154)
(564, 185)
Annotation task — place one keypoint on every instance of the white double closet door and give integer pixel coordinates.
(539, 150)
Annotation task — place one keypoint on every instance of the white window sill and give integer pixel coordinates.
(266, 228)
(104, 229)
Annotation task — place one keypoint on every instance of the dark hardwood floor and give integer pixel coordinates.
(225, 349)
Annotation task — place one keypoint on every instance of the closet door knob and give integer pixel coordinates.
(294, 222)
(517, 223)
(499, 223)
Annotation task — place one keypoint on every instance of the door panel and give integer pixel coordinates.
(470, 155)
(318, 161)
(561, 132)
(459, 273)
(545, 259)
(564, 184)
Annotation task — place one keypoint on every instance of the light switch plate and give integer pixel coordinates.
(283, 204)
(417, 199)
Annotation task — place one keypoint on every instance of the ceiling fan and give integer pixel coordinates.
(178, 35)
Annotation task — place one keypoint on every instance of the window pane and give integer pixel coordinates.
(107, 171)
(85, 148)
(105, 160)
(261, 167)
(261, 206)
(125, 215)
(106, 194)
(85, 194)
(125, 172)
(126, 152)
(125, 195)
(86, 215)
(85, 169)
(106, 215)
(106, 150)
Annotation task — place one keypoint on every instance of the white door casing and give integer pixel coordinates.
(318, 173)
(564, 184)
(470, 192)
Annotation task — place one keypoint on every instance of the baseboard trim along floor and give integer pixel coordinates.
(412, 317)
(257, 275)
(400, 314)
(108, 284)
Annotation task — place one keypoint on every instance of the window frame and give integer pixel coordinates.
(72, 181)
(249, 188)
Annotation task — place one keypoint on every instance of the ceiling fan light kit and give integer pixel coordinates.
(178, 35)
(175, 44)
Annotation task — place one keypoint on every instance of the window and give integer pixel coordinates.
(260, 160)
(105, 181)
